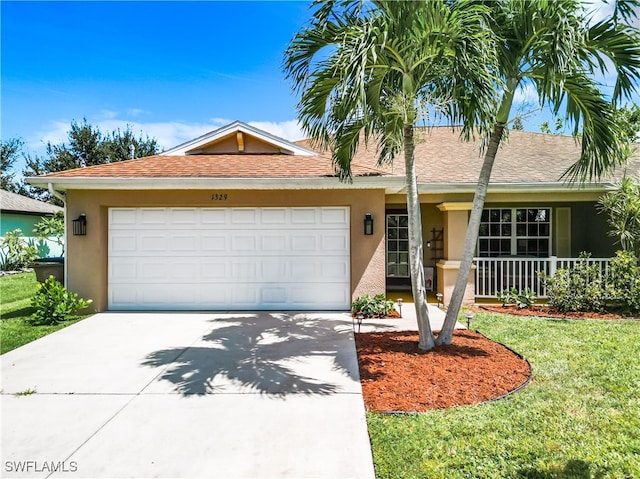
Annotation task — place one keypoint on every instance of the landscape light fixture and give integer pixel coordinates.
(469, 317)
(368, 224)
(80, 225)
(399, 301)
(359, 317)
(439, 298)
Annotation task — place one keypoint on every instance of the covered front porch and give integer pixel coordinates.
(520, 236)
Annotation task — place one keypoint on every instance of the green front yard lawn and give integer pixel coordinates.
(16, 291)
(578, 418)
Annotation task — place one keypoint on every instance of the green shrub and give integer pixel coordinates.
(15, 252)
(581, 288)
(54, 304)
(623, 285)
(508, 296)
(522, 299)
(376, 307)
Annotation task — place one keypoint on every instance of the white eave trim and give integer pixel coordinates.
(64, 184)
(553, 187)
(391, 184)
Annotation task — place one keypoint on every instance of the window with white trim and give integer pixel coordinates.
(515, 232)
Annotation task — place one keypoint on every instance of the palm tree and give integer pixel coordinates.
(552, 46)
(375, 68)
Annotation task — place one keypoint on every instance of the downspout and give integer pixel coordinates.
(62, 197)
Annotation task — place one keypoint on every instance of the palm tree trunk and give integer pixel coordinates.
(471, 238)
(426, 338)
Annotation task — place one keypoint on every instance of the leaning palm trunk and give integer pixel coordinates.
(426, 339)
(471, 238)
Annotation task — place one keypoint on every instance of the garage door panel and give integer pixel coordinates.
(184, 216)
(273, 270)
(306, 216)
(168, 294)
(306, 243)
(244, 242)
(335, 216)
(123, 243)
(229, 258)
(184, 243)
(274, 243)
(335, 242)
(273, 295)
(274, 216)
(243, 216)
(122, 218)
(335, 270)
(122, 270)
(153, 243)
(213, 216)
(217, 269)
(123, 296)
(152, 216)
(302, 295)
(213, 242)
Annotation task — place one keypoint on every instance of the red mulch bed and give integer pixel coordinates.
(547, 312)
(397, 376)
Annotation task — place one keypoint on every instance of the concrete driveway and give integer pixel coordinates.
(248, 395)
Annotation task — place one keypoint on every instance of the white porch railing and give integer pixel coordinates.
(493, 275)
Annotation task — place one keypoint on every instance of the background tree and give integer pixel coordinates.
(553, 46)
(629, 120)
(622, 207)
(376, 69)
(87, 146)
(10, 151)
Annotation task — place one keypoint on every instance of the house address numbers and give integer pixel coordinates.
(219, 196)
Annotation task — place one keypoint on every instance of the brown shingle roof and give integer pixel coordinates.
(524, 157)
(215, 166)
(441, 157)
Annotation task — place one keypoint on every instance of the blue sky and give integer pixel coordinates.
(173, 70)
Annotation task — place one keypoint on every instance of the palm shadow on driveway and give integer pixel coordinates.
(268, 353)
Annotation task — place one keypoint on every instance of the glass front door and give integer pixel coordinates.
(397, 246)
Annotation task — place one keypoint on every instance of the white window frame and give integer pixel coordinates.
(513, 237)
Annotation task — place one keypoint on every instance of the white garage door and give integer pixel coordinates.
(229, 258)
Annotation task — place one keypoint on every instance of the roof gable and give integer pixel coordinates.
(238, 138)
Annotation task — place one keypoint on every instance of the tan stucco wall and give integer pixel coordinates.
(86, 256)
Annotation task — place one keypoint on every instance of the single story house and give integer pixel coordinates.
(21, 212)
(240, 219)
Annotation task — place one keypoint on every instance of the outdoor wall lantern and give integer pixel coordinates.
(368, 224)
(80, 225)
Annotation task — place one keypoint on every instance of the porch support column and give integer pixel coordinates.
(456, 220)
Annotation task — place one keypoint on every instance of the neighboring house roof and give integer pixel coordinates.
(242, 156)
(14, 203)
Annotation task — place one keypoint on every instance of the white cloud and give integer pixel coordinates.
(168, 134)
(136, 112)
(598, 10)
(289, 130)
(526, 94)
